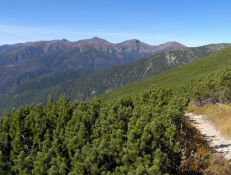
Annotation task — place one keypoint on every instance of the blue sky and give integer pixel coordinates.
(191, 22)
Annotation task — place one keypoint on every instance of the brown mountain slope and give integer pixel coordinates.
(24, 61)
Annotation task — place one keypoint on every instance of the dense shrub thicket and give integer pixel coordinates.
(133, 135)
(215, 88)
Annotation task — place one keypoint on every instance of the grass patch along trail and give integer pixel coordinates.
(215, 139)
(219, 114)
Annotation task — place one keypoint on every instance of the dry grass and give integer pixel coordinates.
(218, 166)
(219, 114)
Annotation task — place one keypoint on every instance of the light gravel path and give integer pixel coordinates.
(220, 144)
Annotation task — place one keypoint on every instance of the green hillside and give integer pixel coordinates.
(177, 77)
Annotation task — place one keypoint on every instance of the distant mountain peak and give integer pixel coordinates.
(65, 40)
(97, 38)
(130, 41)
(173, 44)
(94, 41)
(133, 41)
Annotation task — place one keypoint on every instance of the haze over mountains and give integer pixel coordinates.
(25, 61)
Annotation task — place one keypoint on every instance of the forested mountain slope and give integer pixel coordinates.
(80, 84)
(180, 77)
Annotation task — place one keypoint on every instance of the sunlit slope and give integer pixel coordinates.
(179, 76)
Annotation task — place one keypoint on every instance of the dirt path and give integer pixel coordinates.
(220, 144)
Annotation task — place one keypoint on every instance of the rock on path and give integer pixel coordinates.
(220, 144)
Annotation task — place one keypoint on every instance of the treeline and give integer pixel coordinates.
(214, 88)
(134, 135)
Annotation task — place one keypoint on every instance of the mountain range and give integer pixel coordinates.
(83, 82)
(25, 61)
